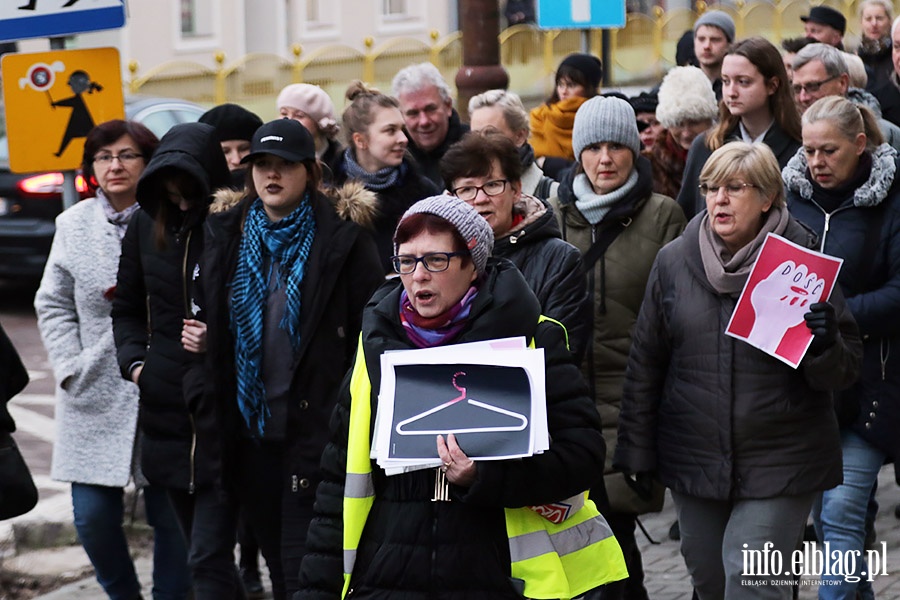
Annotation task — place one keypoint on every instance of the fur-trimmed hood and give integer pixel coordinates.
(871, 193)
(351, 201)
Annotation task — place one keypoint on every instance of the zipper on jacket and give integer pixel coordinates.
(515, 238)
(193, 452)
(184, 277)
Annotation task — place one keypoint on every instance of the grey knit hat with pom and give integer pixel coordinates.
(603, 119)
(473, 228)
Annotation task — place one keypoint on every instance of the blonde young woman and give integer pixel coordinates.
(376, 157)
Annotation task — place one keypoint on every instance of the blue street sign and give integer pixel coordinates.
(21, 19)
(580, 14)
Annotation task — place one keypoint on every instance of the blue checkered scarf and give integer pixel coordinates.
(284, 245)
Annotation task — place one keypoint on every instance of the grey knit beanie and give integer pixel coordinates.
(717, 18)
(473, 228)
(603, 119)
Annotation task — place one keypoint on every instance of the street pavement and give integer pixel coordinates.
(23, 540)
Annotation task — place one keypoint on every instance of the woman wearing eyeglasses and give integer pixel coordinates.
(607, 209)
(460, 530)
(743, 441)
(286, 282)
(843, 183)
(376, 158)
(97, 410)
(484, 170)
(756, 106)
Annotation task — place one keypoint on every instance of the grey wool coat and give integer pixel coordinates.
(96, 410)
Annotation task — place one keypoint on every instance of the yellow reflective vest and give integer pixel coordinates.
(556, 561)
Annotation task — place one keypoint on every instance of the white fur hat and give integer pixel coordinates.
(686, 94)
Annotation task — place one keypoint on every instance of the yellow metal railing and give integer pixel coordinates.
(641, 52)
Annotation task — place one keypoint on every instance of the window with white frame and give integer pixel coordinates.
(400, 17)
(196, 18)
(396, 9)
(318, 17)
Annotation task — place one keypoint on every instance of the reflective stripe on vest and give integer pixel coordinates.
(359, 490)
(556, 561)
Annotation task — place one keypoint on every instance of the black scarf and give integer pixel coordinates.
(831, 199)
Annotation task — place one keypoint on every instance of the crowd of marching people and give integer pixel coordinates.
(216, 316)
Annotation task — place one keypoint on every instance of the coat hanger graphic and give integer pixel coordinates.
(521, 420)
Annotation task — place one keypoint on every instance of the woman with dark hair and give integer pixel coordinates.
(161, 337)
(577, 79)
(484, 170)
(463, 530)
(756, 106)
(376, 157)
(97, 410)
(285, 283)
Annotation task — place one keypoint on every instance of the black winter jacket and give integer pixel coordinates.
(430, 162)
(888, 96)
(391, 204)
(341, 273)
(552, 268)
(689, 198)
(154, 293)
(865, 231)
(715, 417)
(413, 548)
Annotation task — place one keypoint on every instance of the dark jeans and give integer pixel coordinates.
(271, 509)
(208, 518)
(99, 511)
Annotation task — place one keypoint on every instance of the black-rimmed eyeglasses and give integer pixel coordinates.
(812, 87)
(467, 193)
(124, 157)
(404, 264)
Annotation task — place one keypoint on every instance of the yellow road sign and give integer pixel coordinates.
(53, 99)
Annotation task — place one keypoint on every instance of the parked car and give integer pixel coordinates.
(29, 203)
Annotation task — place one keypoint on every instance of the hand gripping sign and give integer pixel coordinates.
(785, 280)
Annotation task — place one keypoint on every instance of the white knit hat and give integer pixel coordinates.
(605, 119)
(685, 94)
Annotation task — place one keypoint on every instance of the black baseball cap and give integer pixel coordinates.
(825, 15)
(285, 138)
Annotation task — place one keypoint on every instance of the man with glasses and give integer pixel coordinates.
(485, 171)
(819, 71)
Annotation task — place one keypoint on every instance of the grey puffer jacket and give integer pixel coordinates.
(715, 417)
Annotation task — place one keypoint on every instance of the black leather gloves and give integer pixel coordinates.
(822, 322)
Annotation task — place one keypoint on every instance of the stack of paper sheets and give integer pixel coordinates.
(490, 394)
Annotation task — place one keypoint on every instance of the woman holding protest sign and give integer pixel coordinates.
(843, 183)
(743, 440)
(411, 534)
